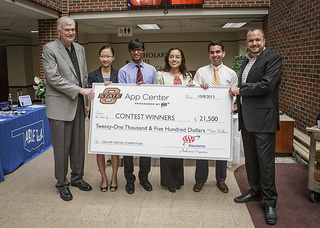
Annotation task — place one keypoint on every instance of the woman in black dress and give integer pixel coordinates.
(107, 75)
(173, 73)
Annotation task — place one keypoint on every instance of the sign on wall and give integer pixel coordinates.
(125, 31)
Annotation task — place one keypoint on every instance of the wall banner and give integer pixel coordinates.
(161, 121)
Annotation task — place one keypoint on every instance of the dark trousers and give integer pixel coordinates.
(202, 171)
(171, 170)
(144, 166)
(68, 139)
(259, 150)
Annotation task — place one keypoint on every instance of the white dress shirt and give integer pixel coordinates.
(228, 77)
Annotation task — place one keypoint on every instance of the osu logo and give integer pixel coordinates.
(110, 95)
(190, 139)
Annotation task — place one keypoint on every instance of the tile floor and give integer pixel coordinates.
(28, 198)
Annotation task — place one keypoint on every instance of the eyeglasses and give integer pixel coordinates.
(137, 49)
(107, 56)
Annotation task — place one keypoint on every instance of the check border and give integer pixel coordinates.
(134, 136)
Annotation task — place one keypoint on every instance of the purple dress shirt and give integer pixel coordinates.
(128, 73)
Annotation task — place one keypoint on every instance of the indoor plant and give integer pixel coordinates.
(40, 88)
(238, 62)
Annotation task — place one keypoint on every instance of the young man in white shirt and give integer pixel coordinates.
(215, 74)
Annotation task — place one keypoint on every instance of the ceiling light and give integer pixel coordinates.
(234, 25)
(34, 31)
(148, 26)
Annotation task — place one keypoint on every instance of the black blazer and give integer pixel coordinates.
(96, 76)
(259, 109)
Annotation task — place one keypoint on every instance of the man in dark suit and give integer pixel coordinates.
(64, 65)
(258, 108)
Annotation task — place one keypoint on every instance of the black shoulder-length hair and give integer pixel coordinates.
(182, 67)
(135, 43)
(107, 47)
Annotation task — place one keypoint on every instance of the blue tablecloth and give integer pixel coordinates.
(22, 138)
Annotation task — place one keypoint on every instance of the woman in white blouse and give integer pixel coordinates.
(173, 73)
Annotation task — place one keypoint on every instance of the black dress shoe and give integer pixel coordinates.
(65, 194)
(146, 185)
(130, 188)
(271, 215)
(172, 189)
(82, 185)
(247, 198)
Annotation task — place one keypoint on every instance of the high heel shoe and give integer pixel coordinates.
(113, 188)
(104, 189)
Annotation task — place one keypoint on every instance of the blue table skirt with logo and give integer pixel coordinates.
(23, 136)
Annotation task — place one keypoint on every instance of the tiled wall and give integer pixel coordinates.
(73, 6)
(110, 5)
(293, 30)
(96, 5)
(53, 4)
(47, 33)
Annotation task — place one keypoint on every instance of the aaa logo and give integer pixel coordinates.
(110, 96)
(190, 139)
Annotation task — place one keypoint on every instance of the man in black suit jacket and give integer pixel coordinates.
(258, 108)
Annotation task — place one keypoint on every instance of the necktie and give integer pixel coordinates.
(139, 75)
(176, 80)
(216, 79)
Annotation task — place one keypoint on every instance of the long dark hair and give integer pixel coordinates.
(182, 67)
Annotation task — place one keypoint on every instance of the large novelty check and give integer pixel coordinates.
(161, 121)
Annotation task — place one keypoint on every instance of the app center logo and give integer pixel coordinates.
(110, 96)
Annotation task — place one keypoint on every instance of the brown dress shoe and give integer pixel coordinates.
(223, 187)
(197, 187)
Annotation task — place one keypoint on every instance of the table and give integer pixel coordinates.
(314, 164)
(284, 137)
(23, 136)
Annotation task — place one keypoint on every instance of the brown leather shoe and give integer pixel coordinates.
(197, 187)
(223, 187)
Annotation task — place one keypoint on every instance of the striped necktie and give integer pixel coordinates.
(139, 74)
(216, 79)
